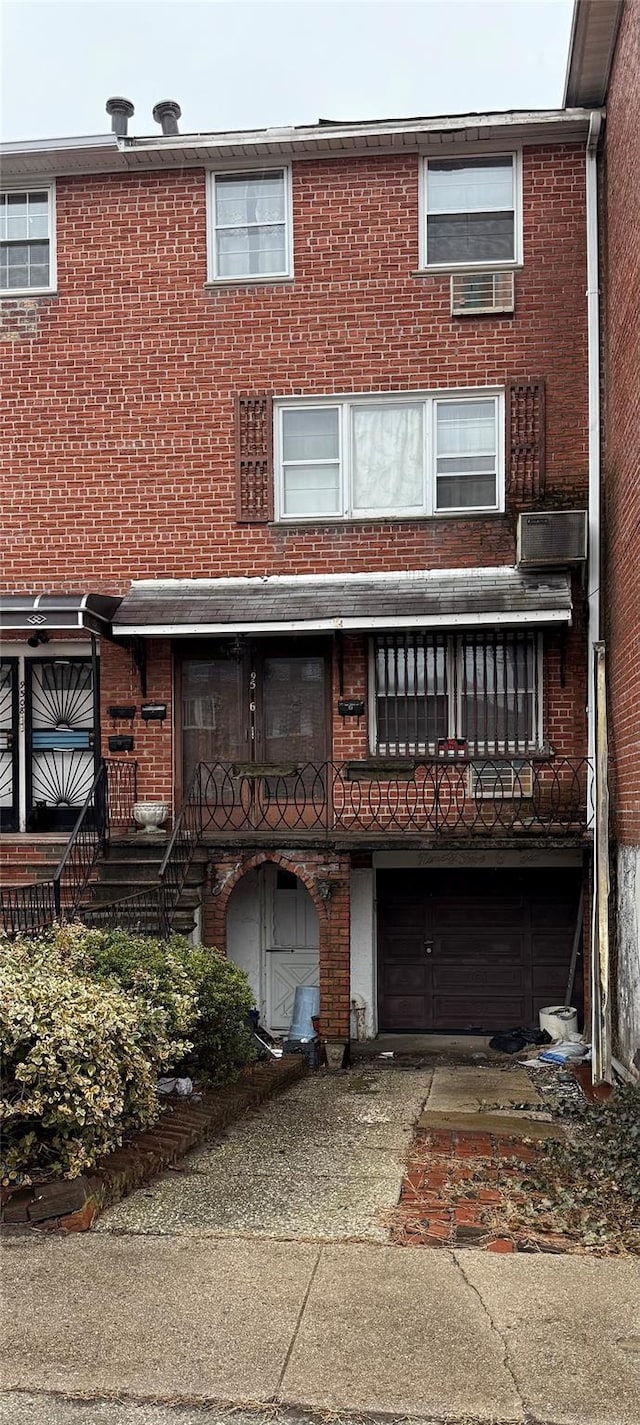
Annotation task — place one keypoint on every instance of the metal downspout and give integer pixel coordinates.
(597, 807)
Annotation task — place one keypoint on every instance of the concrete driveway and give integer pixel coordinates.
(324, 1162)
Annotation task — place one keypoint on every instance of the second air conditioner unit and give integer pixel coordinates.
(476, 293)
(553, 537)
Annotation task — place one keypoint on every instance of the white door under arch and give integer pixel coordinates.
(291, 941)
(273, 935)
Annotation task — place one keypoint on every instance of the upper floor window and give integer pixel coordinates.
(27, 240)
(249, 225)
(471, 212)
(395, 456)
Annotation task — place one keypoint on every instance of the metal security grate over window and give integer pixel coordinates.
(467, 694)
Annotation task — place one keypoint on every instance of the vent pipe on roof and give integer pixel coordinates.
(121, 110)
(167, 113)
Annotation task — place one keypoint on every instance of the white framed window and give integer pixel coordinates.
(389, 456)
(27, 240)
(250, 225)
(472, 693)
(471, 212)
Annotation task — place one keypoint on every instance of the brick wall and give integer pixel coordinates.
(621, 423)
(326, 877)
(118, 413)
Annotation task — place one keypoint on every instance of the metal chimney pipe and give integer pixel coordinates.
(167, 113)
(121, 110)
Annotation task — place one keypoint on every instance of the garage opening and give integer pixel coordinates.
(473, 951)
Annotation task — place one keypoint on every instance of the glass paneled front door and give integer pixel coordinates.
(48, 714)
(262, 705)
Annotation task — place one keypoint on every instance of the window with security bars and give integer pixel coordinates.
(26, 241)
(470, 693)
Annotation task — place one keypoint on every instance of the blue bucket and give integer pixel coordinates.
(305, 1005)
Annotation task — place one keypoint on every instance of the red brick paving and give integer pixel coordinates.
(451, 1195)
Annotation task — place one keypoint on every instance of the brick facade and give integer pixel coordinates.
(120, 426)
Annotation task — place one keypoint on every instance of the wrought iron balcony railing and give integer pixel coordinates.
(431, 797)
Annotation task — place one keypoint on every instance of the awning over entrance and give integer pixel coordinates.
(314, 603)
(57, 612)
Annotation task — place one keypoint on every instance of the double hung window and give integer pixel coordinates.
(27, 240)
(478, 692)
(249, 225)
(396, 456)
(472, 212)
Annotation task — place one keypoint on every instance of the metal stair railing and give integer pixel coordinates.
(150, 912)
(32, 908)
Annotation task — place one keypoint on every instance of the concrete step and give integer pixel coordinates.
(106, 892)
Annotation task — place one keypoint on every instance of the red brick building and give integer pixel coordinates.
(296, 432)
(604, 69)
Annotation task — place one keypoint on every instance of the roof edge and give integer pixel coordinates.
(592, 42)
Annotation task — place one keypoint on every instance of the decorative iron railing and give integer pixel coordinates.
(27, 910)
(461, 796)
(109, 803)
(143, 913)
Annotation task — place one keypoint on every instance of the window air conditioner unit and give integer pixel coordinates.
(556, 537)
(475, 293)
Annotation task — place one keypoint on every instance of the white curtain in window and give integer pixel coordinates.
(387, 457)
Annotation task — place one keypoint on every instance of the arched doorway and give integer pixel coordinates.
(273, 935)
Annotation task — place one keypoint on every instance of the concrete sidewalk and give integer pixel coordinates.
(350, 1329)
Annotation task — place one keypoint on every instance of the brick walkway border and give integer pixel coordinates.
(451, 1195)
(72, 1205)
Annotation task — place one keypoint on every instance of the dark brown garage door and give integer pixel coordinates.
(479, 949)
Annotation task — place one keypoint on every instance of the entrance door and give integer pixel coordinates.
(261, 703)
(9, 797)
(477, 949)
(60, 758)
(291, 944)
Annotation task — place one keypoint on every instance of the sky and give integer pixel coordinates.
(242, 65)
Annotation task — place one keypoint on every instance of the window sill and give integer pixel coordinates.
(213, 283)
(444, 269)
(351, 521)
(34, 293)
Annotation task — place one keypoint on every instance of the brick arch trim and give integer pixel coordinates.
(288, 864)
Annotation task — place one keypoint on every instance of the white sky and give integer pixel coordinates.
(239, 64)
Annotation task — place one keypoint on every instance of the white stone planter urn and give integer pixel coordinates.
(149, 817)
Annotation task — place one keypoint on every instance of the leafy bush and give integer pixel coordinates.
(201, 992)
(157, 971)
(220, 1036)
(80, 1058)
(89, 1020)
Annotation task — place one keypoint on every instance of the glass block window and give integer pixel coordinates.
(26, 240)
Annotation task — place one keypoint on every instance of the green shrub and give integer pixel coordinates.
(157, 971)
(202, 993)
(88, 1022)
(80, 1058)
(221, 1038)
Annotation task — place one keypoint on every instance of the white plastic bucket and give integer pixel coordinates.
(559, 1022)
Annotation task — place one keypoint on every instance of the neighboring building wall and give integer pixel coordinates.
(622, 504)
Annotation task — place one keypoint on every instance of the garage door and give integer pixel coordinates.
(473, 950)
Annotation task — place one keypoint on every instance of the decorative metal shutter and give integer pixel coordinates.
(525, 440)
(254, 458)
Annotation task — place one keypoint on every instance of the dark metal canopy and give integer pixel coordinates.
(54, 613)
(313, 604)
